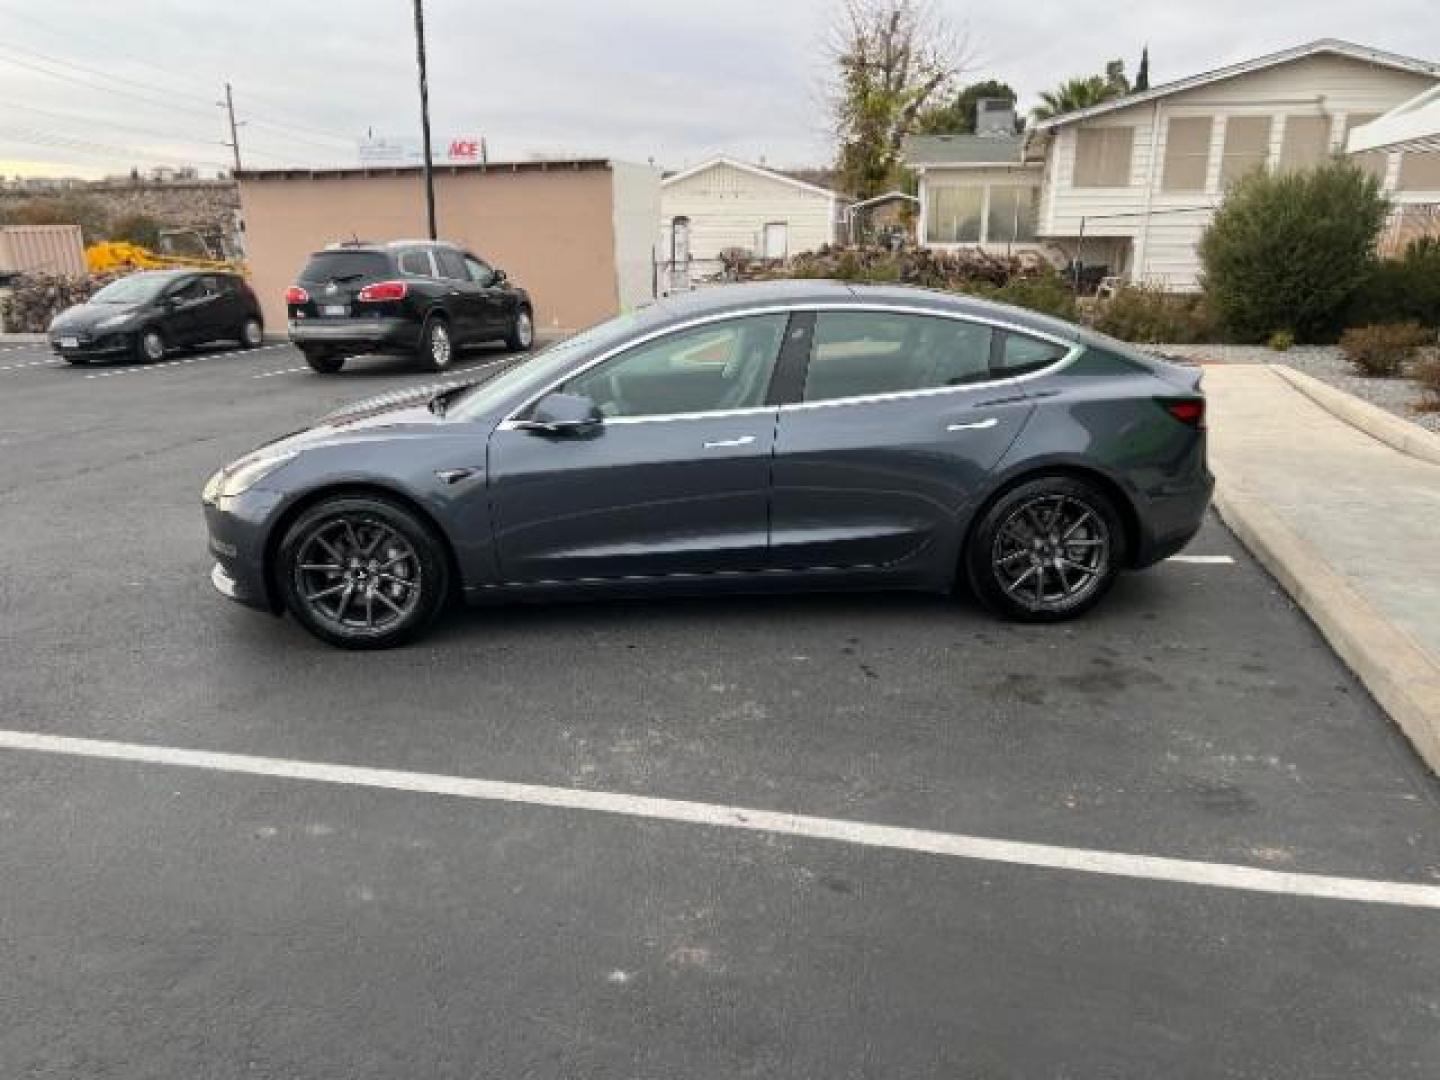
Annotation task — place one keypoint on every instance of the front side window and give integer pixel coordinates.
(954, 215)
(862, 353)
(711, 368)
(479, 273)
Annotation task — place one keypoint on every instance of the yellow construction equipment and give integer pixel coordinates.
(112, 256)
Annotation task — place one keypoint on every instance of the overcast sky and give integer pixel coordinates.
(673, 80)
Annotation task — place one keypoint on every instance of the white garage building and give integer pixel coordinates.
(723, 203)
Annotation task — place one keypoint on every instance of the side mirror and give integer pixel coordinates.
(563, 414)
(500, 277)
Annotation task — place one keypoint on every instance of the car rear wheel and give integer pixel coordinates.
(251, 333)
(149, 346)
(323, 362)
(362, 572)
(1046, 551)
(522, 332)
(436, 348)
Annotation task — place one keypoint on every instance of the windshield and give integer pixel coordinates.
(545, 365)
(135, 289)
(345, 266)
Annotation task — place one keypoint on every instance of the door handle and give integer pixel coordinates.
(977, 425)
(743, 440)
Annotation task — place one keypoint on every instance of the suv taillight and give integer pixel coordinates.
(296, 295)
(382, 291)
(1189, 411)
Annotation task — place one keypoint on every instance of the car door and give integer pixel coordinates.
(465, 300)
(498, 302)
(901, 417)
(675, 480)
(185, 311)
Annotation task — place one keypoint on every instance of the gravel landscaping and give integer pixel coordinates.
(1324, 362)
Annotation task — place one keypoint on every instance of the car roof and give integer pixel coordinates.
(383, 247)
(718, 299)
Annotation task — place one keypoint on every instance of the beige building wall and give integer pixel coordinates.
(551, 228)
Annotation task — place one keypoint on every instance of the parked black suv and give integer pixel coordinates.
(146, 315)
(423, 297)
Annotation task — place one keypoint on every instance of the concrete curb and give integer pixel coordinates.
(1403, 678)
(23, 339)
(1390, 429)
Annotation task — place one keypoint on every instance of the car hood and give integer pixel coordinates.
(87, 316)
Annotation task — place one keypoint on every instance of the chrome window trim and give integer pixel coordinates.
(1074, 349)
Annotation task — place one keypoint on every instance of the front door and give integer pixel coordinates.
(495, 307)
(901, 419)
(674, 481)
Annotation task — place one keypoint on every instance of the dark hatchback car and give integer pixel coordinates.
(145, 315)
(752, 437)
(415, 297)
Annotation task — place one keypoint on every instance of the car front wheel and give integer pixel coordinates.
(362, 572)
(522, 332)
(1047, 550)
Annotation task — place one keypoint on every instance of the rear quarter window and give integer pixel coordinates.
(345, 266)
(1021, 355)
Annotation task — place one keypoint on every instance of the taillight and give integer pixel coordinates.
(1189, 411)
(382, 291)
(296, 295)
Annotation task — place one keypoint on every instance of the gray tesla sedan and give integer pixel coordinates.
(779, 436)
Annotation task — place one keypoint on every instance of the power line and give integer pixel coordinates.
(31, 137)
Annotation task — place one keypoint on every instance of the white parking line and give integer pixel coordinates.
(47, 362)
(923, 841)
(1203, 560)
(145, 369)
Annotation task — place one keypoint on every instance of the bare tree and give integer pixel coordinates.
(891, 58)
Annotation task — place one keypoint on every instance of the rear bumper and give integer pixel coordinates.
(374, 335)
(1171, 520)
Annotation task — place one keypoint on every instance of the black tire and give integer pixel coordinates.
(521, 335)
(324, 363)
(150, 346)
(1046, 551)
(382, 552)
(78, 361)
(437, 347)
(251, 334)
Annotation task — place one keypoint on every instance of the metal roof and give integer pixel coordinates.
(1333, 46)
(365, 171)
(922, 150)
(1413, 126)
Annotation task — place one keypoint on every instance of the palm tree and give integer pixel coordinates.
(1080, 93)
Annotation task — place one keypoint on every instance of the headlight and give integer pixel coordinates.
(115, 322)
(240, 476)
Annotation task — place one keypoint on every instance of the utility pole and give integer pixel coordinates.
(229, 106)
(425, 117)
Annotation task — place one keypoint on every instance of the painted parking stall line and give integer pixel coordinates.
(863, 834)
(1203, 560)
(46, 362)
(147, 369)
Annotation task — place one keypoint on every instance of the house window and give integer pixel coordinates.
(1187, 153)
(1247, 147)
(1420, 172)
(1011, 216)
(955, 215)
(775, 240)
(1102, 156)
(1373, 162)
(1306, 143)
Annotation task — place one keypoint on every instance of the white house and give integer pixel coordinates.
(1132, 183)
(724, 203)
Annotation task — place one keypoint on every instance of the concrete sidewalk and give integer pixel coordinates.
(1351, 528)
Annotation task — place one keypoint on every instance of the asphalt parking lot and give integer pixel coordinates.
(256, 917)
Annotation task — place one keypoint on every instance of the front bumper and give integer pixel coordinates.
(93, 345)
(372, 335)
(238, 529)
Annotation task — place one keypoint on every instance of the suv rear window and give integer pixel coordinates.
(345, 266)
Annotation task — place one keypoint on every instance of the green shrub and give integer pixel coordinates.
(1401, 290)
(1291, 249)
(1383, 351)
(1281, 341)
(1046, 292)
(139, 229)
(1151, 316)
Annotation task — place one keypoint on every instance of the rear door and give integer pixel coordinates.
(675, 481)
(464, 299)
(901, 417)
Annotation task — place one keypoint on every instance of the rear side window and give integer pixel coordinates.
(416, 264)
(861, 353)
(451, 265)
(1021, 355)
(326, 266)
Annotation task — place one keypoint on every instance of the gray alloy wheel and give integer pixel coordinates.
(362, 572)
(150, 345)
(436, 348)
(522, 334)
(251, 333)
(1047, 550)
